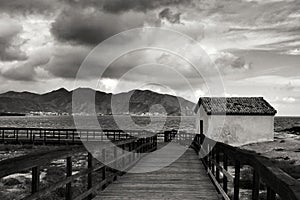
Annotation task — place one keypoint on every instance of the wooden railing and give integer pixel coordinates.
(217, 157)
(132, 150)
(12, 135)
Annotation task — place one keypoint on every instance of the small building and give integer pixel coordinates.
(236, 120)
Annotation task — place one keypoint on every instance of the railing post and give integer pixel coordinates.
(129, 150)
(104, 168)
(212, 160)
(115, 154)
(165, 137)
(35, 179)
(255, 189)
(45, 136)
(90, 179)
(31, 136)
(225, 166)
(218, 164)
(59, 137)
(17, 136)
(133, 151)
(139, 145)
(73, 137)
(69, 173)
(148, 147)
(142, 144)
(209, 156)
(271, 195)
(205, 149)
(115, 164)
(123, 159)
(155, 141)
(237, 180)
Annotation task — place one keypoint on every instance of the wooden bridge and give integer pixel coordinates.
(205, 170)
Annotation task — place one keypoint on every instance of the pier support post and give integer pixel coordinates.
(35, 179)
(255, 190)
(218, 164)
(104, 168)
(90, 179)
(225, 166)
(69, 173)
(212, 160)
(237, 180)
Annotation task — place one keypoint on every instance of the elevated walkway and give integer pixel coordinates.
(185, 178)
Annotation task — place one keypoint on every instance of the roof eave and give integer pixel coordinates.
(245, 114)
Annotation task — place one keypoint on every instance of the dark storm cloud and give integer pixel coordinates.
(10, 52)
(167, 14)
(111, 6)
(140, 5)
(66, 61)
(28, 6)
(93, 27)
(26, 70)
(9, 32)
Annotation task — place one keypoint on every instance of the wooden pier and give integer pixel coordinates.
(185, 178)
(201, 172)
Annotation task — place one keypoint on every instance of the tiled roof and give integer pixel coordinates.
(236, 106)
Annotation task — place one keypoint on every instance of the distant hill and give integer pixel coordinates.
(60, 101)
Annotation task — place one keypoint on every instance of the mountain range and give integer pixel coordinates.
(60, 101)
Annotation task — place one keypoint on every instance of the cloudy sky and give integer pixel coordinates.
(255, 44)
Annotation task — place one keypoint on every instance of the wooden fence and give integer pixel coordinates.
(132, 150)
(218, 156)
(12, 135)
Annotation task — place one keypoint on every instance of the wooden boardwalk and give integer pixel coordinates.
(185, 178)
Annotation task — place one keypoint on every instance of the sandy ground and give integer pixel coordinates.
(284, 151)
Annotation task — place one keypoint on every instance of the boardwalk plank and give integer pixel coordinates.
(183, 179)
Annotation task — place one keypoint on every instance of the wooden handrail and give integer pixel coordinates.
(34, 161)
(73, 129)
(277, 181)
(25, 162)
(17, 135)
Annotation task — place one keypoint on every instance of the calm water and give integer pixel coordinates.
(282, 123)
(107, 122)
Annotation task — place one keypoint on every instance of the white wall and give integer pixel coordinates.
(237, 130)
(201, 115)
